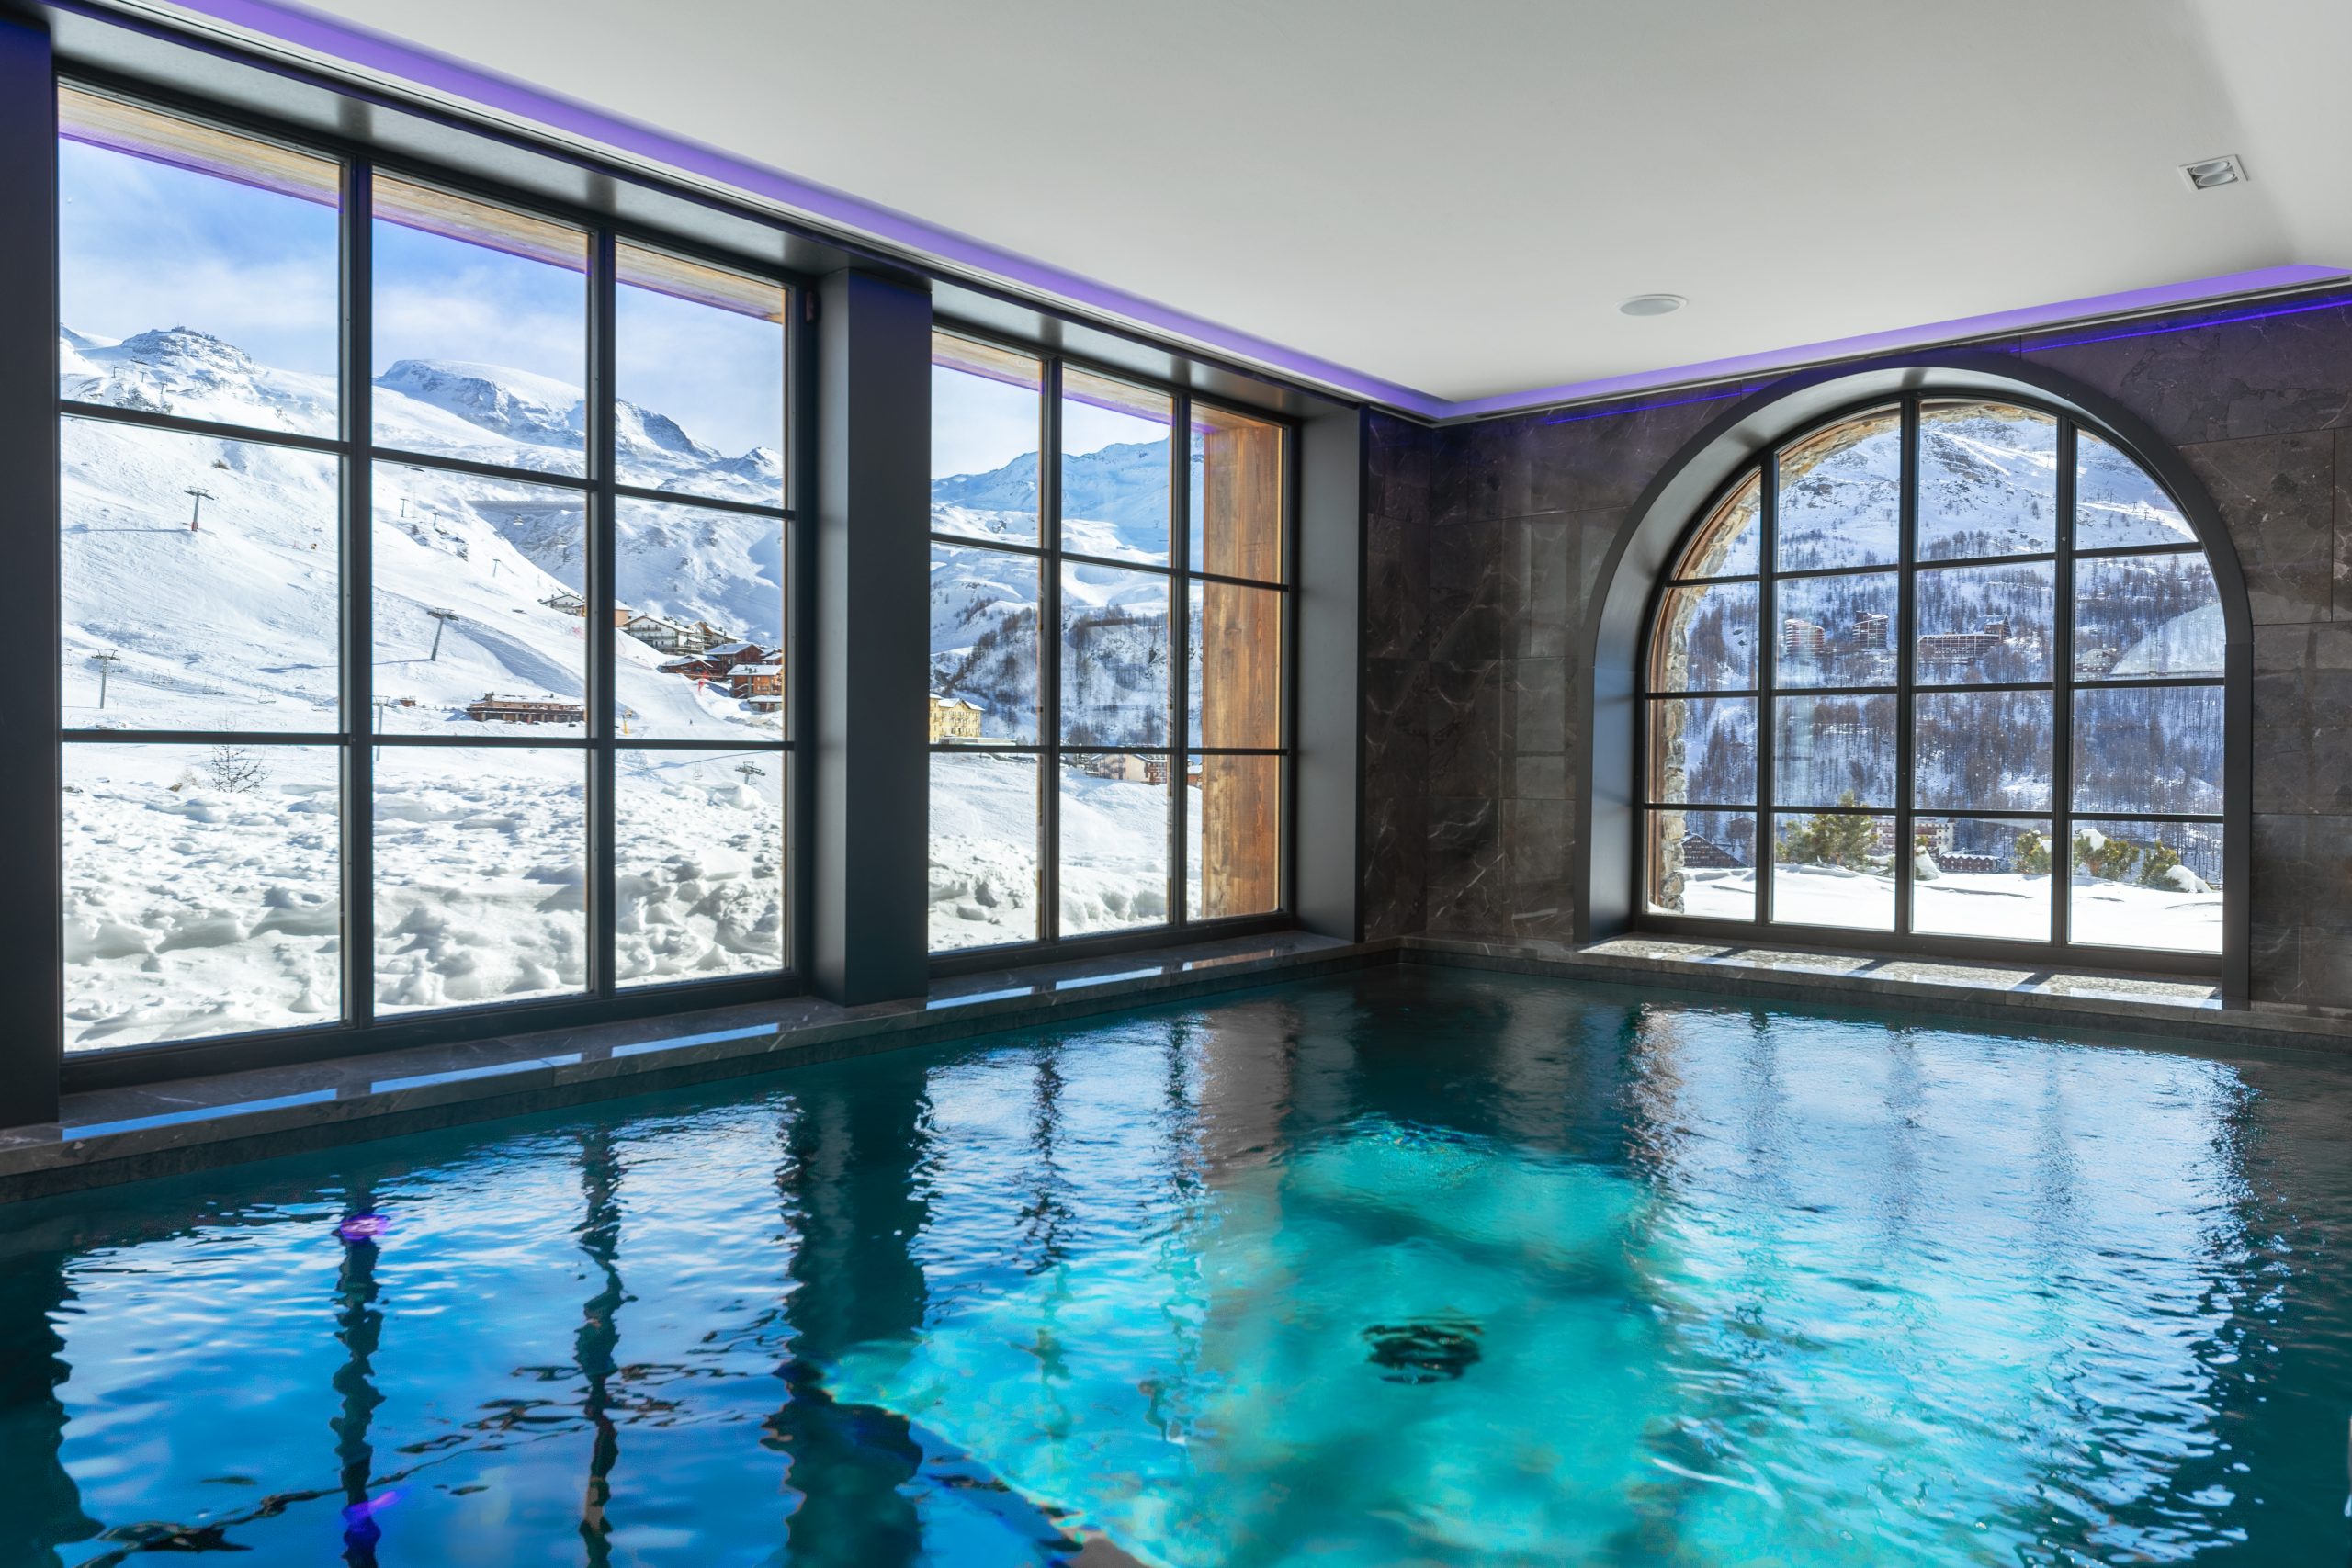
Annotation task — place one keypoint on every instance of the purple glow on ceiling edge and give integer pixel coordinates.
(374, 51)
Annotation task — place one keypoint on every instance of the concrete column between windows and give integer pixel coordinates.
(869, 853)
(31, 785)
(1331, 595)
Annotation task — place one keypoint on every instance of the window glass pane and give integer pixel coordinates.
(1729, 543)
(199, 581)
(1988, 480)
(1985, 624)
(697, 864)
(1705, 639)
(200, 273)
(1841, 498)
(1834, 869)
(1834, 751)
(2148, 749)
(2118, 503)
(481, 874)
(202, 891)
(1233, 856)
(698, 367)
(1115, 841)
(2137, 615)
(1115, 656)
(985, 408)
(983, 850)
(1981, 876)
(698, 645)
(1838, 631)
(2148, 885)
(480, 331)
(1983, 751)
(984, 646)
(1237, 666)
(1702, 750)
(1114, 500)
(1237, 494)
(479, 617)
(1701, 864)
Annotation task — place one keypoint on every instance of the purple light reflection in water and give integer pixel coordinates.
(366, 1225)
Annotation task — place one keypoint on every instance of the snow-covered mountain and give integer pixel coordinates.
(201, 589)
(1115, 652)
(234, 622)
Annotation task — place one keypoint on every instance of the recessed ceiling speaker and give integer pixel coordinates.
(1653, 305)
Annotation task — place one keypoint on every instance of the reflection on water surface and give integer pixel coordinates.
(1412, 1266)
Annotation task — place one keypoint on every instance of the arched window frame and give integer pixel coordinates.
(1611, 896)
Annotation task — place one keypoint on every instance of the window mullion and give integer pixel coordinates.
(1905, 639)
(1050, 640)
(1767, 653)
(1179, 653)
(2062, 700)
(602, 305)
(359, 721)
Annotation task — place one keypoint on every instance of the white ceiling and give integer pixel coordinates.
(1454, 199)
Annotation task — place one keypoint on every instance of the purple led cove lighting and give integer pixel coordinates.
(375, 51)
(2187, 324)
(2333, 303)
(370, 50)
(1999, 323)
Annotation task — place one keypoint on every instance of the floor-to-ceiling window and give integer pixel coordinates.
(424, 573)
(1947, 668)
(1109, 609)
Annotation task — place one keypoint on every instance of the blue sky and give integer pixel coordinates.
(978, 426)
(260, 270)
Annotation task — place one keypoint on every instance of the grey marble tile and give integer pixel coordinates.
(2303, 718)
(2343, 598)
(2302, 872)
(1541, 778)
(1465, 865)
(2221, 382)
(1596, 534)
(1397, 845)
(1539, 838)
(1535, 707)
(1398, 456)
(1479, 472)
(1395, 612)
(1587, 460)
(1466, 565)
(1544, 607)
(1464, 705)
(2277, 494)
(1395, 728)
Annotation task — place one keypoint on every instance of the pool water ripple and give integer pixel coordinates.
(1411, 1267)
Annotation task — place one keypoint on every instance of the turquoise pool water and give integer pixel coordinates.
(1418, 1267)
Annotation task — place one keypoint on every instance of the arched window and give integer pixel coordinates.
(1949, 670)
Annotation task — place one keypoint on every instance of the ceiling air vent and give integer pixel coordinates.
(2210, 173)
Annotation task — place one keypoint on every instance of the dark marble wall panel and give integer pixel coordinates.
(1484, 551)
(1400, 462)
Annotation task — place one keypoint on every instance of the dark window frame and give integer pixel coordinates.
(354, 447)
(2064, 684)
(1049, 557)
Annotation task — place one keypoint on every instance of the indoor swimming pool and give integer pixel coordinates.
(1416, 1266)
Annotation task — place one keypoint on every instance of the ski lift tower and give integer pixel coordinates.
(441, 619)
(106, 660)
(196, 512)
